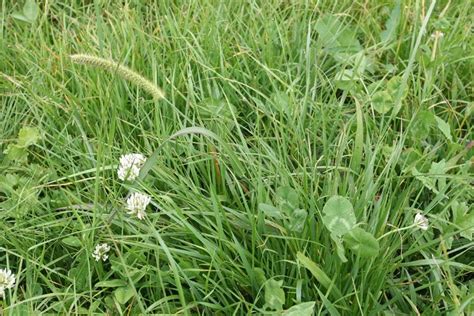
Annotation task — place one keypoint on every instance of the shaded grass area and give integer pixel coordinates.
(366, 100)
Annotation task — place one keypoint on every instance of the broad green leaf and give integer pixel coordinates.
(31, 10)
(428, 182)
(362, 243)
(111, 283)
(72, 241)
(301, 309)
(259, 275)
(281, 102)
(288, 194)
(394, 85)
(28, 136)
(319, 274)
(20, 17)
(274, 295)
(438, 172)
(444, 128)
(297, 220)
(338, 39)
(391, 26)
(270, 210)
(16, 153)
(80, 273)
(463, 219)
(124, 294)
(339, 215)
(422, 123)
(382, 102)
(9, 182)
(29, 14)
(345, 79)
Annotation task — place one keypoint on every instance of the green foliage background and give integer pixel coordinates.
(366, 101)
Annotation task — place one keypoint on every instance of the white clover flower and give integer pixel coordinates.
(100, 252)
(7, 281)
(437, 34)
(137, 203)
(130, 165)
(421, 221)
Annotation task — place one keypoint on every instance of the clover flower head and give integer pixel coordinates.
(137, 203)
(100, 252)
(437, 34)
(130, 165)
(421, 221)
(7, 281)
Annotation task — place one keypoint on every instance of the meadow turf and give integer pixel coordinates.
(295, 144)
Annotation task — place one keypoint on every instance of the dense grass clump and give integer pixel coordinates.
(289, 157)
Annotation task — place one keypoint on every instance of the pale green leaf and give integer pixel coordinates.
(297, 220)
(362, 243)
(337, 38)
(274, 295)
(288, 194)
(31, 10)
(382, 101)
(301, 309)
(444, 128)
(28, 136)
(270, 210)
(341, 252)
(124, 294)
(391, 26)
(72, 241)
(339, 215)
(111, 283)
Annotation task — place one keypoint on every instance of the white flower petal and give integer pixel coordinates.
(137, 203)
(129, 167)
(421, 221)
(7, 279)
(100, 252)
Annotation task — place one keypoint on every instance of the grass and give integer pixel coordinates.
(282, 106)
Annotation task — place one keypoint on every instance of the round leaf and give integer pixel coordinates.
(339, 215)
(382, 102)
(362, 243)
